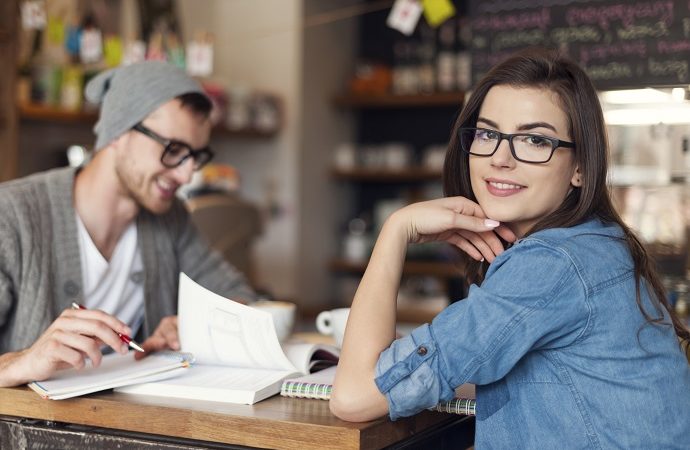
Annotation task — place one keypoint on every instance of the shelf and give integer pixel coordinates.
(407, 313)
(400, 101)
(222, 131)
(55, 114)
(431, 268)
(387, 175)
(417, 314)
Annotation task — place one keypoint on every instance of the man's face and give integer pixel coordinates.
(138, 157)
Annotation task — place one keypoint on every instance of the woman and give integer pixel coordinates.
(569, 337)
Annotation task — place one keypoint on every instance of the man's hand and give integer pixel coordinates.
(165, 337)
(72, 338)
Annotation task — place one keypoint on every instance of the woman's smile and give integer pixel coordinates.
(503, 188)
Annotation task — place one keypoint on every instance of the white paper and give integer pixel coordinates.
(199, 59)
(216, 383)
(404, 16)
(33, 15)
(300, 353)
(224, 332)
(325, 376)
(115, 370)
(91, 48)
(238, 358)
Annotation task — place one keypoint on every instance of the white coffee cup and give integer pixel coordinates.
(283, 314)
(332, 323)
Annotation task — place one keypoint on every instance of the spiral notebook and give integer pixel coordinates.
(320, 384)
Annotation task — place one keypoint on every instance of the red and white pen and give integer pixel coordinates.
(123, 337)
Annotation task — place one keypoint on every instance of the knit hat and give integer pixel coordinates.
(128, 94)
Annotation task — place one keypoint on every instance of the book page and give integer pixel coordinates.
(216, 383)
(304, 355)
(115, 370)
(220, 331)
(325, 376)
(226, 378)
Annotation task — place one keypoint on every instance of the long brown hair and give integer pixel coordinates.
(548, 69)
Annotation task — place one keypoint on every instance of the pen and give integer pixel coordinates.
(123, 337)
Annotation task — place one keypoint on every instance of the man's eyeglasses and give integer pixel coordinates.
(525, 147)
(176, 152)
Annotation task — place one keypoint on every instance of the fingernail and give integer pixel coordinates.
(124, 349)
(491, 223)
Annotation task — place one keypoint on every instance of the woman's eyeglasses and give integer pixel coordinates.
(525, 147)
(176, 152)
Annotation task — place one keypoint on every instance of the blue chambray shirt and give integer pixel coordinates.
(560, 353)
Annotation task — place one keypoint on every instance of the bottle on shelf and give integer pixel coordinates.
(405, 69)
(426, 53)
(426, 72)
(446, 60)
(463, 64)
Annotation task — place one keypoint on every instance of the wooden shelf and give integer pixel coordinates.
(387, 175)
(432, 268)
(253, 133)
(417, 314)
(400, 101)
(55, 114)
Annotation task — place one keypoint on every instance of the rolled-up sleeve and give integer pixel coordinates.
(407, 373)
(480, 339)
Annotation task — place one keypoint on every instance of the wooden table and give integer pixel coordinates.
(116, 420)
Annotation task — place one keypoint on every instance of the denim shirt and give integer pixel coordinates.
(555, 342)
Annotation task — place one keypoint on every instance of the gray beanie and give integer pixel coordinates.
(128, 94)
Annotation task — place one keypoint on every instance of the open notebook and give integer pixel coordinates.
(238, 358)
(115, 370)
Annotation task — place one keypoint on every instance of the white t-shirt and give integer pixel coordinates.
(115, 286)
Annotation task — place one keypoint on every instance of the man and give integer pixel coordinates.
(111, 236)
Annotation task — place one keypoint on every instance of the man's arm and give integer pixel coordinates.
(72, 338)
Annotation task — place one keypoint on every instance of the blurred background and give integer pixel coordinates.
(330, 114)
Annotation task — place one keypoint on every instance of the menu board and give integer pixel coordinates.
(621, 44)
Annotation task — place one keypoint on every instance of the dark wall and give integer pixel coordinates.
(620, 43)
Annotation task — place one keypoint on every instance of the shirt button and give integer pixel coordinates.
(421, 351)
(71, 288)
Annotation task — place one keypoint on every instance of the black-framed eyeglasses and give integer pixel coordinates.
(525, 147)
(176, 152)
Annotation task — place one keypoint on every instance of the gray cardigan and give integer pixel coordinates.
(40, 267)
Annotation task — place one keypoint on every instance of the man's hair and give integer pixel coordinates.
(550, 70)
(198, 103)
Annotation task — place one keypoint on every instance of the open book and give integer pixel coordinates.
(115, 370)
(238, 358)
(320, 384)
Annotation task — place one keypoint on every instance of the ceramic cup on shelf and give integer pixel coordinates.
(332, 323)
(283, 314)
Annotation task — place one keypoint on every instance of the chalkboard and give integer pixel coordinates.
(621, 44)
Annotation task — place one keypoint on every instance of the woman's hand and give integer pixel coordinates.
(458, 221)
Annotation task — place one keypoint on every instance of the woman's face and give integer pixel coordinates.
(516, 193)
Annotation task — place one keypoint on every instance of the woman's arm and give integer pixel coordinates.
(371, 324)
